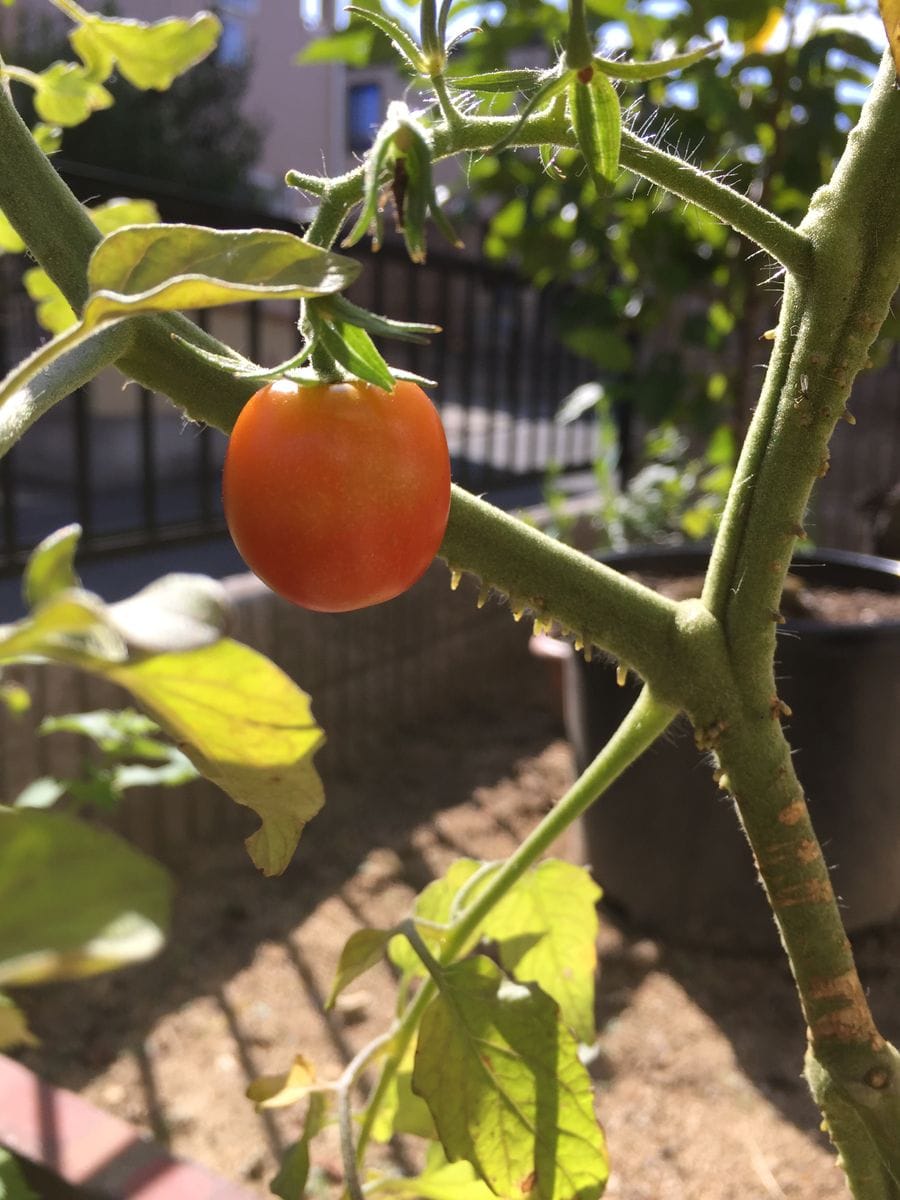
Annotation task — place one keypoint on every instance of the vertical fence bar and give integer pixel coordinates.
(149, 481)
(466, 377)
(81, 419)
(8, 499)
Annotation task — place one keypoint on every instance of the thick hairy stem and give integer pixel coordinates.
(61, 237)
(828, 323)
(599, 605)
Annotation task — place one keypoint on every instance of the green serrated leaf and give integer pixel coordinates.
(66, 95)
(501, 1075)
(362, 950)
(246, 726)
(74, 899)
(51, 567)
(147, 55)
(158, 268)
(546, 932)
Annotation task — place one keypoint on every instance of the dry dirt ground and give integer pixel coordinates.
(698, 1070)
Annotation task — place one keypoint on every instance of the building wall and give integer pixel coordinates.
(304, 109)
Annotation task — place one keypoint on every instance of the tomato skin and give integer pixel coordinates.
(337, 496)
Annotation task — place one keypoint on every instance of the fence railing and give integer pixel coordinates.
(124, 464)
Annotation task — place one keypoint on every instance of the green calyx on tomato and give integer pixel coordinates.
(337, 496)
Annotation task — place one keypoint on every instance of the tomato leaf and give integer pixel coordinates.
(66, 94)
(51, 567)
(546, 932)
(74, 899)
(177, 612)
(247, 727)
(290, 1182)
(10, 242)
(286, 1088)
(157, 268)
(501, 1075)
(439, 1181)
(147, 55)
(362, 950)
(53, 310)
(433, 904)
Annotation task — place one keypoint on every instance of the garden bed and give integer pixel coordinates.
(698, 1069)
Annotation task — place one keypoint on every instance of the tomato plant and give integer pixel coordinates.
(337, 495)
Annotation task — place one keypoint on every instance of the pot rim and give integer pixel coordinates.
(886, 571)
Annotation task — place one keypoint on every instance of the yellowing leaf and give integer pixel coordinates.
(433, 904)
(546, 932)
(362, 950)
(10, 242)
(54, 311)
(890, 14)
(66, 95)
(501, 1075)
(291, 1086)
(147, 55)
(247, 727)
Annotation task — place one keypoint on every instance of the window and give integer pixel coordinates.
(234, 44)
(363, 115)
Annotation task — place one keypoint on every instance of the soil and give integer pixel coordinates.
(699, 1056)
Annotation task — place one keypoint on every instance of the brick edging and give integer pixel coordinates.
(90, 1148)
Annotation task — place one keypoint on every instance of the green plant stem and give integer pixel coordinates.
(53, 383)
(787, 245)
(599, 605)
(579, 50)
(61, 236)
(645, 722)
(827, 327)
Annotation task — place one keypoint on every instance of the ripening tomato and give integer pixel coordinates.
(337, 495)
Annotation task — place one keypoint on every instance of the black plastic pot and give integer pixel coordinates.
(664, 842)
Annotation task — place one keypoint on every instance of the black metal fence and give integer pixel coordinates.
(124, 464)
